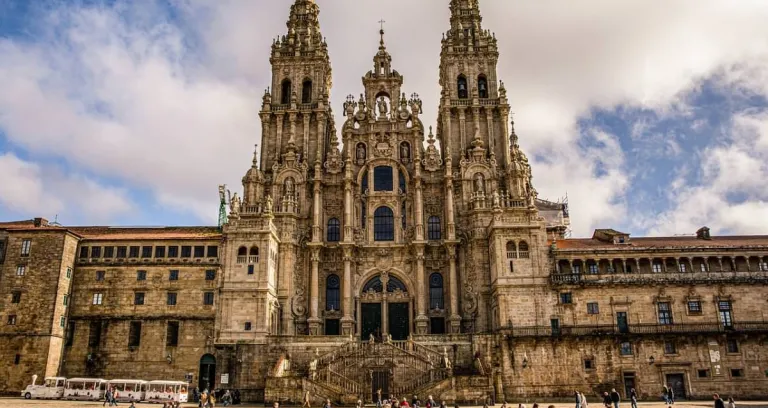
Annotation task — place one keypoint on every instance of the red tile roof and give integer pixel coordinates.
(121, 233)
(666, 242)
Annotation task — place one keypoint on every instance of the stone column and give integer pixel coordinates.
(278, 145)
(347, 321)
(455, 319)
(418, 209)
(316, 207)
(314, 298)
(359, 318)
(422, 320)
(384, 307)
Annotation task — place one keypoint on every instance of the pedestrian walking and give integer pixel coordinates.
(584, 403)
(671, 394)
(607, 400)
(718, 401)
(615, 398)
(107, 398)
(731, 403)
(633, 398)
(578, 399)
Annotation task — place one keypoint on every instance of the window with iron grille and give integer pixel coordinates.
(334, 230)
(172, 334)
(384, 224)
(433, 228)
(593, 308)
(134, 334)
(665, 313)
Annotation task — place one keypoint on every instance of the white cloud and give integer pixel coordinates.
(132, 100)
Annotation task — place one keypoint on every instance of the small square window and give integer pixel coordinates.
(207, 298)
(11, 320)
(186, 251)
(98, 298)
(669, 347)
(84, 252)
(247, 326)
(593, 308)
(593, 270)
(26, 246)
(171, 299)
(69, 273)
(100, 275)
(173, 252)
(213, 251)
(109, 252)
(211, 274)
(141, 275)
(122, 252)
(737, 372)
(96, 252)
(683, 268)
(732, 346)
(138, 298)
(16, 297)
(17, 359)
(656, 267)
(199, 251)
(173, 275)
(702, 373)
(250, 269)
(62, 321)
(160, 252)
(589, 364)
(21, 270)
(566, 298)
(694, 307)
(146, 252)
(133, 252)
(625, 348)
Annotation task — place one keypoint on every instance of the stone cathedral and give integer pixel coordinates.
(387, 255)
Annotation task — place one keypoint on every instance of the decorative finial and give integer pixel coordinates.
(381, 32)
(256, 155)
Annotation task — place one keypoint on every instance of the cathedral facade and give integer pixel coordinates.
(363, 258)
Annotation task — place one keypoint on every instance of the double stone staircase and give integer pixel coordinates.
(356, 370)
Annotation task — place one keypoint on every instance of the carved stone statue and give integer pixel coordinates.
(479, 183)
(371, 339)
(361, 152)
(235, 204)
(495, 199)
(405, 151)
(446, 361)
(288, 186)
(269, 204)
(383, 109)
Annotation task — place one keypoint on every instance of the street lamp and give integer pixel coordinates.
(651, 360)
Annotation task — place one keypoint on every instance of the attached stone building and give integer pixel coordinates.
(366, 258)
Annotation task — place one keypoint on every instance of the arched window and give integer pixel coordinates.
(433, 228)
(334, 227)
(394, 284)
(374, 285)
(285, 92)
(482, 86)
(306, 91)
(462, 86)
(253, 255)
(242, 251)
(523, 249)
(383, 224)
(436, 291)
(382, 178)
(332, 289)
(511, 250)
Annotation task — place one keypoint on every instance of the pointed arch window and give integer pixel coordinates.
(334, 230)
(383, 224)
(332, 293)
(436, 291)
(306, 91)
(523, 250)
(433, 228)
(462, 87)
(285, 92)
(482, 86)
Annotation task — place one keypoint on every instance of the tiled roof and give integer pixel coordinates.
(666, 242)
(141, 233)
(17, 224)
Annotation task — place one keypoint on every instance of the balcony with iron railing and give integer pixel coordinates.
(637, 329)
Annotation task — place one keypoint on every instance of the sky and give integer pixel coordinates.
(651, 120)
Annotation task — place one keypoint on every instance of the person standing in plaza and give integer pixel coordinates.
(731, 403)
(578, 399)
(305, 403)
(633, 398)
(718, 401)
(107, 398)
(606, 399)
(584, 403)
(615, 398)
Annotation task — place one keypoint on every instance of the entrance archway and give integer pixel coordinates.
(385, 308)
(207, 376)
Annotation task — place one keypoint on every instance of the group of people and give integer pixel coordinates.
(415, 403)
(208, 399)
(613, 399)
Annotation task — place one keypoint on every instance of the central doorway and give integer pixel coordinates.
(380, 383)
(398, 321)
(371, 321)
(677, 382)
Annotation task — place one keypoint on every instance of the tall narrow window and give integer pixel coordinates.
(285, 92)
(70, 338)
(462, 87)
(436, 291)
(382, 178)
(94, 334)
(364, 183)
(334, 230)
(253, 255)
(306, 91)
(384, 224)
(134, 334)
(665, 313)
(482, 86)
(332, 289)
(433, 228)
(133, 252)
(26, 245)
(523, 247)
(138, 298)
(172, 334)
(724, 308)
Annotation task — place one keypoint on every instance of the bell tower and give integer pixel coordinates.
(296, 115)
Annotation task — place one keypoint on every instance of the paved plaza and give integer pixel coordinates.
(21, 403)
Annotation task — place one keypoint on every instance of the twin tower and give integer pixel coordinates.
(387, 235)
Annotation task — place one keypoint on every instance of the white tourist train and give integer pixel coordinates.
(94, 389)
(129, 390)
(87, 389)
(51, 388)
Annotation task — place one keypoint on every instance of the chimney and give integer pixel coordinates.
(703, 233)
(40, 222)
